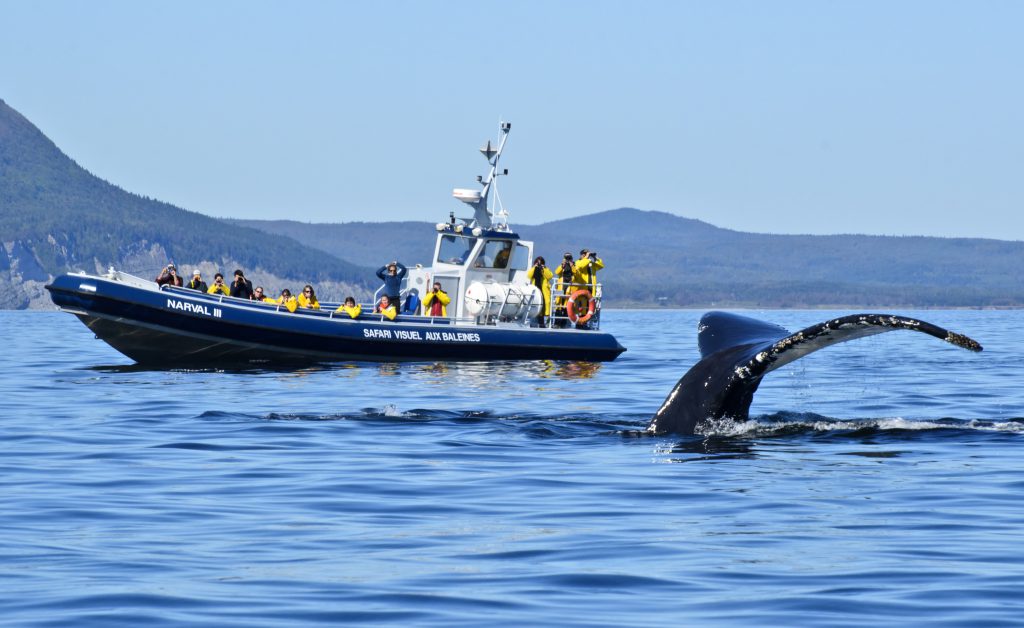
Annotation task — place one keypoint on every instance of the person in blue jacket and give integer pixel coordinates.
(392, 275)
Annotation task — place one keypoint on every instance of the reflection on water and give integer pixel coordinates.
(487, 373)
(699, 449)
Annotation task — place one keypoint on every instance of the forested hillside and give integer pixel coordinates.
(56, 216)
(655, 257)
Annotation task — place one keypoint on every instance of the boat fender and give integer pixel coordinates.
(587, 304)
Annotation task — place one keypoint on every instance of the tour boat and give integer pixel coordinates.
(479, 261)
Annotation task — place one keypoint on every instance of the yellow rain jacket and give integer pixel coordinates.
(308, 304)
(586, 273)
(353, 311)
(545, 289)
(222, 288)
(289, 303)
(441, 297)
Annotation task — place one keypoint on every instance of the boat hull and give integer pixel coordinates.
(176, 326)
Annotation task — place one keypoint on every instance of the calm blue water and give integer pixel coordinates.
(881, 481)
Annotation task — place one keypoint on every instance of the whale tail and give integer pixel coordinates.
(737, 352)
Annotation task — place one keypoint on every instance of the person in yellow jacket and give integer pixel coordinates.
(436, 302)
(586, 270)
(540, 275)
(308, 298)
(585, 278)
(350, 307)
(286, 299)
(219, 286)
(387, 308)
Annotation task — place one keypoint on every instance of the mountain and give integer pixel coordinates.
(56, 216)
(654, 257)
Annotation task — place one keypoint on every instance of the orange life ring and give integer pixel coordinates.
(570, 307)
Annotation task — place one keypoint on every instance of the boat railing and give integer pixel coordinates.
(558, 317)
(327, 309)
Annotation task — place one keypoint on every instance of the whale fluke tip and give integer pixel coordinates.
(963, 342)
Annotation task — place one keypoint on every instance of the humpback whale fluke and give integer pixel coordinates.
(736, 352)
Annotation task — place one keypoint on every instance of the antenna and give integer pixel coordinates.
(478, 199)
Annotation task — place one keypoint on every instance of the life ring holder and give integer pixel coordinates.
(570, 307)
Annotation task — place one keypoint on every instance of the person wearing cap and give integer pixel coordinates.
(585, 277)
(169, 276)
(241, 287)
(392, 275)
(197, 282)
(219, 287)
(586, 270)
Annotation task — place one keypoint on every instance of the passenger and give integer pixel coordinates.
(565, 272)
(259, 295)
(392, 275)
(436, 302)
(219, 286)
(241, 287)
(197, 282)
(586, 268)
(169, 276)
(586, 277)
(350, 307)
(412, 303)
(502, 256)
(308, 298)
(286, 299)
(540, 275)
(386, 308)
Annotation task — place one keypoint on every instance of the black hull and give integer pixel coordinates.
(177, 328)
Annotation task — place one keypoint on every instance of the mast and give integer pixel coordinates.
(479, 199)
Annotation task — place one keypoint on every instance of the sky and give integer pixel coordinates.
(890, 118)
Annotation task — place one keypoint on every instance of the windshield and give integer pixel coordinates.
(495, 254)
(455, 249)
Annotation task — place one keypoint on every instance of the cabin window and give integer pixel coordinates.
(455, 249)
(496, 254)
(521, 257)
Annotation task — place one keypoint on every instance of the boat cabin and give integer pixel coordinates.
(463, 256)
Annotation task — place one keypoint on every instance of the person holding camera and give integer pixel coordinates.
(565, 273)
(540, 275)
(241, 287)
(169, 276)
(392, 275)
(586, 270)
(218, 286)
(436, 302)
(197, 282)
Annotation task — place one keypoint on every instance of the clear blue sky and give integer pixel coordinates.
(785, 117)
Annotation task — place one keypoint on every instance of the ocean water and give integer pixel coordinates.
(880, 482)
